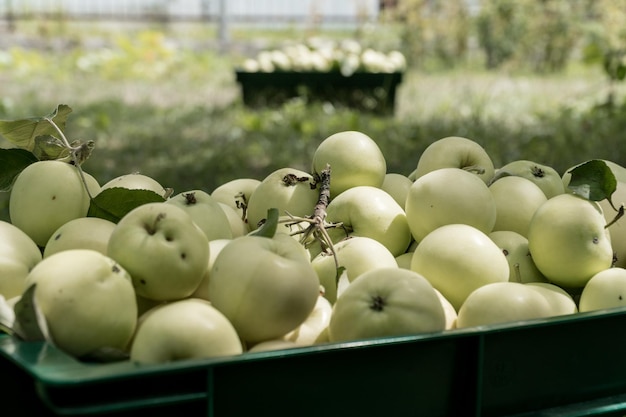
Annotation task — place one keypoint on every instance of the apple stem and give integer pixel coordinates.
(518, 274)
(620, 213)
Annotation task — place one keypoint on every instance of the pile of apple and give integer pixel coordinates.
(344, 252)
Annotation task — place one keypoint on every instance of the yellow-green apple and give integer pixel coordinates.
(18, 255)
(82, 233)
(606, 289)
(287, 189)
(502, 302)
(568, 240)
(205, 212)
(215, 247)
(137, 181)
(184, 329)
(397, 186)
(448, 309)
(307, 333)
(455, 152)
(236, 193)
(357, 255)
(371, 212)
(162, 248)
(517, 199)
(274, 344)
(544, 176)
(355, 159)
(46, 195)
(238, 225)
(449, 196)
(87, 299)
(386, 302)
(457, 259)
(404, 260)
(515, 248)
(560, 301)
(266, 287)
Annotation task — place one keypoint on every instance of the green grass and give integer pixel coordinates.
(176, 114)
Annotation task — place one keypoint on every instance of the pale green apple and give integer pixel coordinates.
(404, 260)
(236, 193)
(181, 330)
(357, 255)
(87, 299)
(455, 152)
(215, 247)
(238, 225)
(355, 159)
(370, 212)
(287, 189)
(266, 287)
(18, 255)
(205, 212)
(82, 233)
(448, 196)
(137, 181)
(307, 333)
(448, 309)
(46, 195)
(457, 259)
(502, 302)
(275, 344)
(397, 186)
(517, 199)
(568, 241)
(162, 248)
(560, 301)
(515, 248)
(386, 302)
(606, 289)
(545, 177)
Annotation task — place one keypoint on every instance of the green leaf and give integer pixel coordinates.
(48, 147)
(593, 180)
(12, 162)
(268, 229)
(22, 132)
(113, 203)
(30, 324)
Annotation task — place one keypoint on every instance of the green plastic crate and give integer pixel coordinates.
(373, 92)
(562, 366)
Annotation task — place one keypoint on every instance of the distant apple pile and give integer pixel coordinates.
(344, 252)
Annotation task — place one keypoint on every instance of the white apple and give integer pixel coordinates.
(370, 212)
(215, 247)
(205, 212)
(287, 189)
(457, 259)
(355, 159)
(386, 302)
(236, 193)
(275, 344)
(515, 248)
(448, 196)
(162, 248)
(448, 309)
(307, 333)
(82, 233)
(238, 226)
(455, 152)
(404, 260)
(46, 195)
(502, 302)
(545, 177)
(560, 301)
(266, 287)
(568, 241)
(137, 181)
(397, 186)
(606, 289)
(182, 330)
(517, 199)
(18, 255)
(357, 255)
(87, 299)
